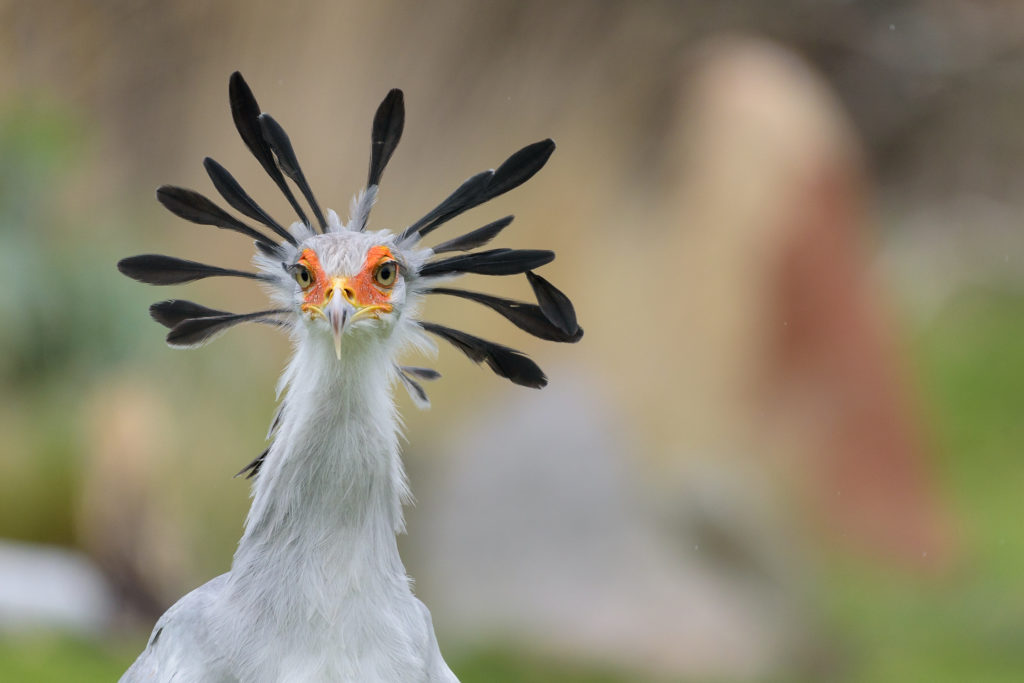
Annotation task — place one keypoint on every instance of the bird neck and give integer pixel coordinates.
(329, 495)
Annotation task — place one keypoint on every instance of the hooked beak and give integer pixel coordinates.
(341, 309)
(339, 313)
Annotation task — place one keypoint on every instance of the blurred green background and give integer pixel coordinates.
(668, 117)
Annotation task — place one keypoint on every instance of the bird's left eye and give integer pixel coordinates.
(302, 276)
(386, 273)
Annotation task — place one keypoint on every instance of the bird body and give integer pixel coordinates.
(317, 590)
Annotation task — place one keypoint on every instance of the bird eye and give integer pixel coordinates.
(386, 273)
(302, 276)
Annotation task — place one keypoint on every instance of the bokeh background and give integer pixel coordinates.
(789, 446)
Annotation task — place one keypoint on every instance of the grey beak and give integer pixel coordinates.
(339, 312)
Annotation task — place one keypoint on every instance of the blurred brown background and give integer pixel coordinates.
(787, 447)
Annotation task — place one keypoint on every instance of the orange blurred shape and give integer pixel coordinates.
(775, 201)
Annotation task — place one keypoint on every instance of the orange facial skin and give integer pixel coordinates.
(366, 290)
(317, 292)
(360, 290)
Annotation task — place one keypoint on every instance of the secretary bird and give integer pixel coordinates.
(317, 590)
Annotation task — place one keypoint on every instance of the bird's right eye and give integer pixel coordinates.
(302, 276)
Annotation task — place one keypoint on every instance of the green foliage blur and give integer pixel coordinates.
(61, 317)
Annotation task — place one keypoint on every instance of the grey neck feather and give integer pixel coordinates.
(329, 497)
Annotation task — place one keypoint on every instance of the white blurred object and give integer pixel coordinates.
(538, 531)
(49, 587)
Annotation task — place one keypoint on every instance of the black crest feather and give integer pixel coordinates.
(527, 317)
(416, 392)
(279, 142)
(428, 374)
(274, 252)
(171, 312)
(253, 468)
(490, 262)
(156, 269)
(465, 197)
(238, 198)
(520, 167)
(556, 305)
(388, 123)
(474, 238)
(194, 207)
(197, 331)
(504, 361)
(246, 113)
(484, 186)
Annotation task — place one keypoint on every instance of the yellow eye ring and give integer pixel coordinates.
(386, 273)
(303, 276)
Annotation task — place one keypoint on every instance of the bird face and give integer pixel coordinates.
(346, 281)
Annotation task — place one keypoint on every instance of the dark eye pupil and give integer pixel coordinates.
(385, 273)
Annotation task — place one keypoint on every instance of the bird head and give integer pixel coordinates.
(349, 284)
(345, 287)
